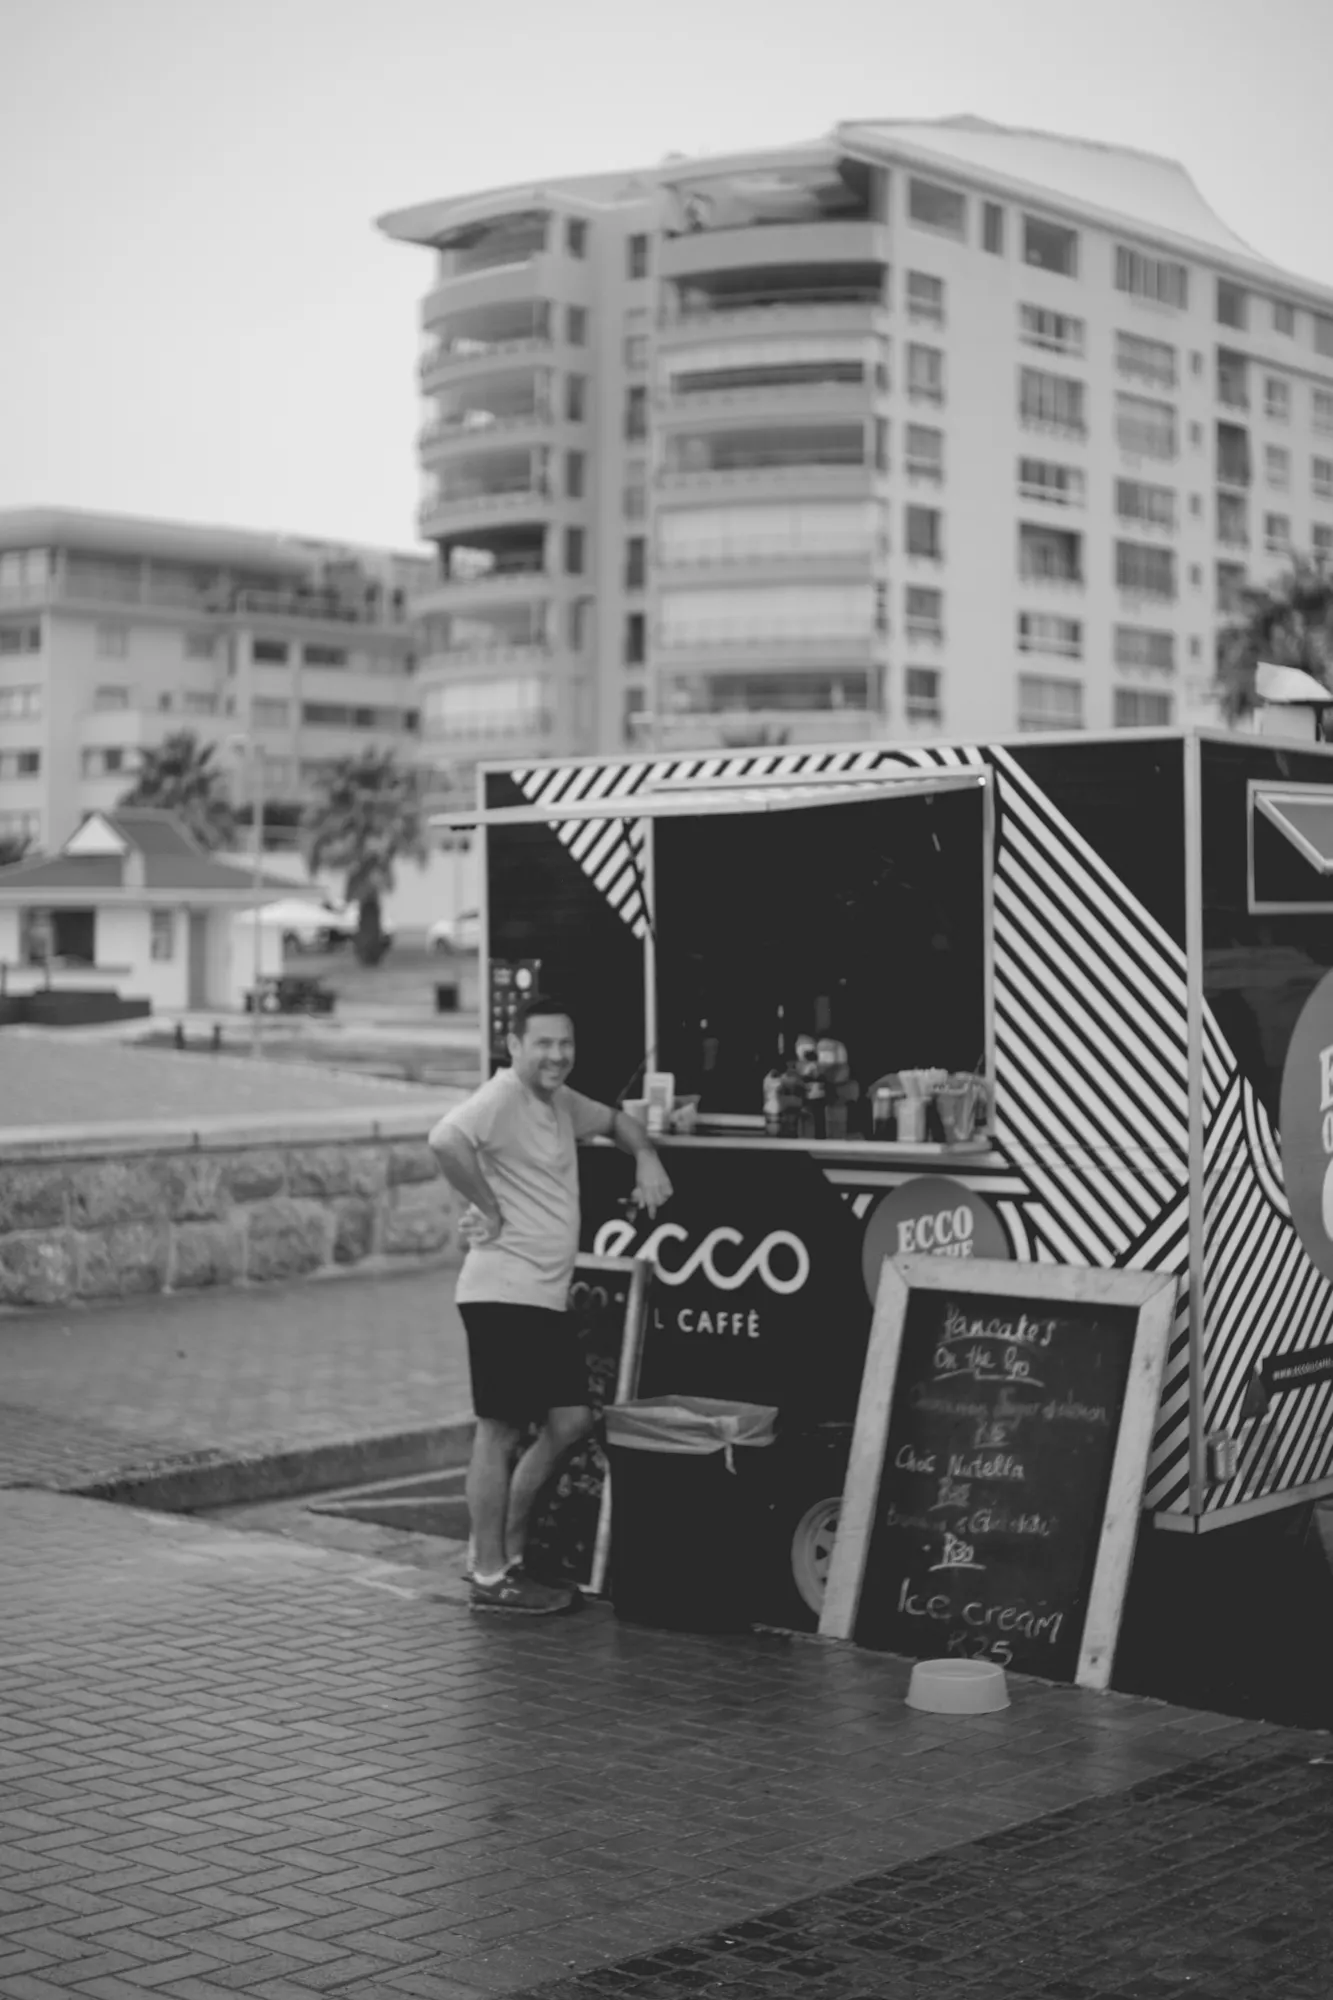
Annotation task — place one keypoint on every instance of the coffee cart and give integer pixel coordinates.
(1129, 937)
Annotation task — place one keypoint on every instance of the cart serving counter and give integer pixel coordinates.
(1127, 939)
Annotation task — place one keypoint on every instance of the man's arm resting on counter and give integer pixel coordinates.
(461, 1167)
(650, 1175)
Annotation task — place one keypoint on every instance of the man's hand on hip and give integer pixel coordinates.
(476, 1228)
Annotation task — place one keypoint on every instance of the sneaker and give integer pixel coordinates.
(516, 1592)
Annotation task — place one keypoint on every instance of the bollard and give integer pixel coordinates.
(179, 1036)
(217, 1037)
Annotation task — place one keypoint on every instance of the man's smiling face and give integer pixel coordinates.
(543, 1055)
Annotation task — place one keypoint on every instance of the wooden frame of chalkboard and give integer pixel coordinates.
(571, 1529)
(998, 1460)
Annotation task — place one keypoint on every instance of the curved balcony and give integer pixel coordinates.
(831, 309)
(802, 482)
(764, 246)
(736, 655)
(777, 400)
(447, 437)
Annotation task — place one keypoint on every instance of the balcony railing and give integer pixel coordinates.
(480, 350)
(469, 425)
(504, 576)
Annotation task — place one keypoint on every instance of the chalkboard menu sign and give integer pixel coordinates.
(998, 1463)
(570, 1533)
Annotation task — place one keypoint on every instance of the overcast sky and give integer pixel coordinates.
(201, 321)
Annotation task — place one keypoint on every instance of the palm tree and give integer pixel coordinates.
(181, 777)
(365, 816)
(1289, 623)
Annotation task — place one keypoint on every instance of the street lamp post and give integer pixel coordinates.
(254, 756)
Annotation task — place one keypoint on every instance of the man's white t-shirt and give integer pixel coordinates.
(527, 1153)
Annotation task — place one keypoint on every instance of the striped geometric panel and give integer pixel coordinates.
(1265, 1297)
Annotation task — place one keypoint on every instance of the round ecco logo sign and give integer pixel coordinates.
(934, 1217)
(1306, 1125)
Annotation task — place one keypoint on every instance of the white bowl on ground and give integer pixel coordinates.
(957, 1687)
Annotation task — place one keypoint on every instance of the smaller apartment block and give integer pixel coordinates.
(933, 428)
(115, 632)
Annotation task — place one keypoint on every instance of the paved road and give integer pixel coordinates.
(45, 1081)
(233, 1764)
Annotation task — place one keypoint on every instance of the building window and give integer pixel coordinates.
(636, 411)
(1231, 304)
(20, 764)
(923, 699)
(1153, 505)
(636, 256)
(925, 298)
(1145, 571)
(21, 826)
(925, 533)
(324, 656)
(1233, 525)
(1050, 246)
(1277, 398)
(1233, 455)
(635, 499)
(20, 704)
(1039, 632)
(636, 562)
(1140, 708)
(1323, 334)
(574, 475)
(1284, 317)
(1136, 646)
(1277, 466)
(268, 714)
(573, 551)
(269, 652)
(992, 228)
(925, 373)
(1277, 533)
(925, 612)
(113, 642)
(1321, 477)
(633, 707)
(1157, 278)
(111, 697)
(925, 452)
(636, 639)
(1230, 588)
(1045, 703)
(1321, 410)
(576, 236)
(1061, 333)
(1321, 536)
(20, 638)
(1146, 360)
(195, 703)
(574, 398)
(199, 645)
(1049, 555)
(105, 763)
(576, 325)
(1039, 479)
(162, 935)
(1145, 429)
(1233, 379)
(24, 569)
(636, 350)
(164, 703)
(931, 206)
(1051, 402)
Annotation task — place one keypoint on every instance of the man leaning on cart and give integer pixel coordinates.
(509, 1150)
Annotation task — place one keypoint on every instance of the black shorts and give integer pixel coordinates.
(525, 1361)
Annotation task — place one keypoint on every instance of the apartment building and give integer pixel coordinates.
(115, 632)
(922, 428)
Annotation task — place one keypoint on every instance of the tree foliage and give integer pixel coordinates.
(181, 777)
(365, 817)
(13, 847)
(1288, 623)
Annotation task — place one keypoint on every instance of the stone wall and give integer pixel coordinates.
(108, 1220)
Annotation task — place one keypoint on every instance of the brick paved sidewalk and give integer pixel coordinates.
(94, 1392)
(235, 1764)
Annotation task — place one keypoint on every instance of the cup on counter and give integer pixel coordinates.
(637, 1108)
(910, 1117)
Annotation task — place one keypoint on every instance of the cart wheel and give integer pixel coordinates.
(812, 1551)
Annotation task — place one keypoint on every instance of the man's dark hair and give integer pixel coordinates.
(538, 1004)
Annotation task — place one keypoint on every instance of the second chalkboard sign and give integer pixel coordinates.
(1001, 1443)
